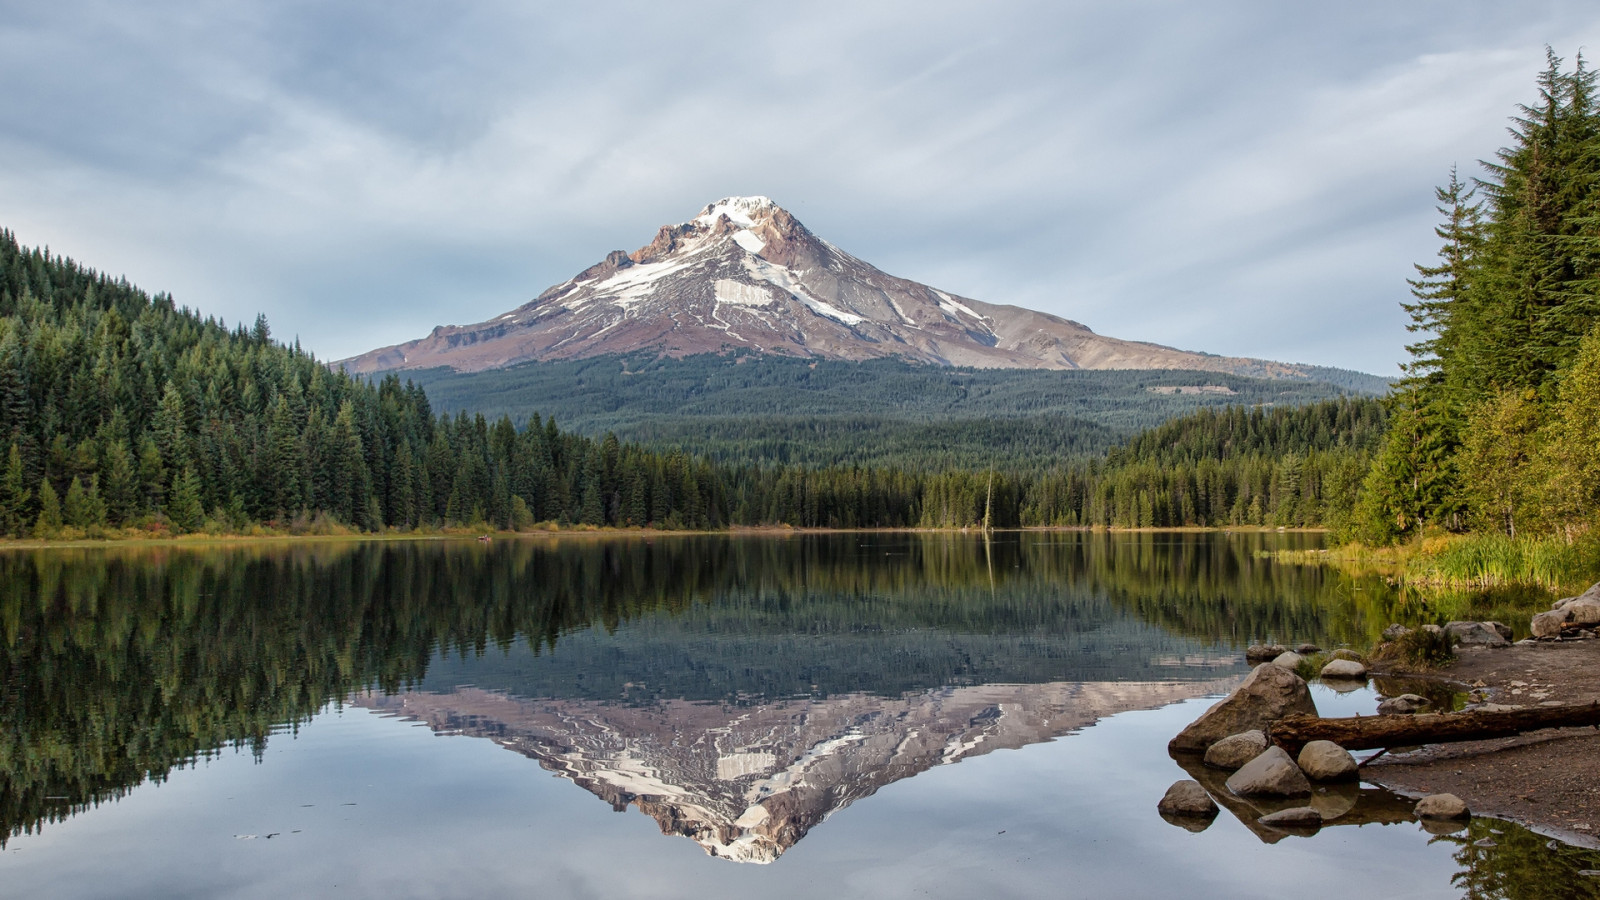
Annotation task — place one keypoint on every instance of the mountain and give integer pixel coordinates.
(746, 275)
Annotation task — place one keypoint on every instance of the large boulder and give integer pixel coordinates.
(1268, 694)
(1395, 632)
(1501, 627)
(1442, 806)
(1288, 659)
(1344, 668)
(1272, 774)
(1475, 634)
(1547, 625)
(1307, 649)
(1404, 705)
(1235, 750)
(1326, 761)
(1583, 612)
(1187, 798)
(1346, 653)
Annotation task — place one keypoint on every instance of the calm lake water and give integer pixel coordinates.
(860, 715)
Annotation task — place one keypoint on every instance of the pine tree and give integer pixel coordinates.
(14, 495)
(49, 523)
(183, 506)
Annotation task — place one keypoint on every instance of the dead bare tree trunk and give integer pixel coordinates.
(1370, 732)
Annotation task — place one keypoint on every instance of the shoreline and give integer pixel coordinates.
(1544, 779)
(200, 540)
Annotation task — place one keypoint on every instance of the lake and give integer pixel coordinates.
(845, 715)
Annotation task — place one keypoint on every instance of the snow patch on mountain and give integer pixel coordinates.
(726, 290)
(749, 241)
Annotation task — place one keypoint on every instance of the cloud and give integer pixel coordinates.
(1238, 177)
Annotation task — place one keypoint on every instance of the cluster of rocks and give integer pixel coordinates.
(1233, 736)
(1571, 617)
(1494, 635)
(1340, 665)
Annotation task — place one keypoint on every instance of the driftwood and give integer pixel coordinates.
(1371, 732)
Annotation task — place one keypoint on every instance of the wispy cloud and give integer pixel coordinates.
(1235, 177)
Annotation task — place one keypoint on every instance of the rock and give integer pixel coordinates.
(1289, 660)
(1326, 761)
(1475, 634)
(1547, 625)
(1395, 632)
(1442, 806)
(1344, 668)
(1343, 653)
(1187, 798)
(1272, 774)
(1583, 612)
(1297, 818)
(1263, 652)
(1268, 694)
(1307, 649)
(1432, 629)
(1235, 750)
(1501, 627)
(1404, 705)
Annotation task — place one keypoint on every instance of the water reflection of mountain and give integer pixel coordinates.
(117, 665)
(748, 780)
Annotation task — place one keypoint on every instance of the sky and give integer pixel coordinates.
(1243, 178)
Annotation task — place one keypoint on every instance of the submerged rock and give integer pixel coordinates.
(1296, 819)
(1404, 705)
(1326, 761)
(1442, 806)
(1344, 668)
(1268, 694)
(1272, 774)
(1235, 750)
(1187, 799)
(1263, 652)
(1307, 649)
(1346, 653)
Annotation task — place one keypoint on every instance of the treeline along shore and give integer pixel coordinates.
(123, 414)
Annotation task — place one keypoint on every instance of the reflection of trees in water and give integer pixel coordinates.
(1504, 861)
(124, 662)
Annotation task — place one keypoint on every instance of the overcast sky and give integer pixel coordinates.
(1242, 178)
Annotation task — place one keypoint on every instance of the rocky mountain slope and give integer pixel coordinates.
(745, 274)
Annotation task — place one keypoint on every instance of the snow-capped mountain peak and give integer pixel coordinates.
(744, 274)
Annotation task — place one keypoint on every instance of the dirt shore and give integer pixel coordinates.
(1548, 780)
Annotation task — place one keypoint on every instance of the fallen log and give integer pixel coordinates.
(1372, 732)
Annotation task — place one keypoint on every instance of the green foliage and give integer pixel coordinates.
(773, 410)
(1486, 434)
(1426, 647)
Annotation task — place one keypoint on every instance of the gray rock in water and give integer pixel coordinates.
(1442, 806)
(1326, 761)
(1547, 625)
(1307, 649)
(1272, 774)
(1345, 653)
(1404, 705)
(1475, 634)
(1344, 668)
(1235, 750)
(1187, 798)
(1268, 694)
(1263, 652)
(1289, 660)
(1395, 632)
(1295, 819)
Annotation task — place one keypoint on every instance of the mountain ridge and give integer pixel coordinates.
(746, 275)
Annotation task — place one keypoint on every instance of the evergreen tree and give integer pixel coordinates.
(184, 508)
(14, 495)
(49, 523)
